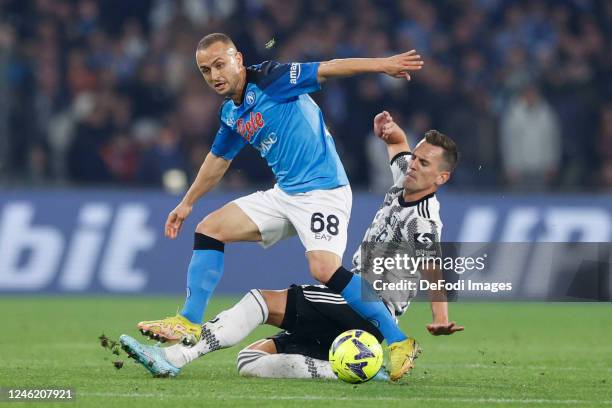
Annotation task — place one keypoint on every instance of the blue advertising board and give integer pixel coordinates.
(106, 241)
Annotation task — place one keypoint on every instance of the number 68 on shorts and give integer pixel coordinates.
(319, 217)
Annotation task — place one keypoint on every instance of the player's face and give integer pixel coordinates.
(426, 171)
(221, 66)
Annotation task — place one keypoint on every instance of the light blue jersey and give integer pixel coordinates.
(279, 119)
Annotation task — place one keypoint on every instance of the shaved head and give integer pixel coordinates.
(213, 38)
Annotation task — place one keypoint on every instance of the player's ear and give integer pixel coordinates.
(442, 178)
(239, 59)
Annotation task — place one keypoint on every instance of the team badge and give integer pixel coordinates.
(250, 98)
(230, 119)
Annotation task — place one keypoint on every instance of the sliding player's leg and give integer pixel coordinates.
(255, 217)
(301, 350)
(261, 359)
(227, 329)
(228, 224)
(232, 326)
(314, 317)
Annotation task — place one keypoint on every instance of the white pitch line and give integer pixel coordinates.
(509, 366)
(355, 398)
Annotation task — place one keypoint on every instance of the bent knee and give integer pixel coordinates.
(322, 271)
(276, 303)
(323, 264)
(211, 226)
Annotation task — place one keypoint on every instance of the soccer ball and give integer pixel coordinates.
(355, 356)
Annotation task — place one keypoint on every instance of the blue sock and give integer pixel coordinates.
(203, 275)
(370, 308)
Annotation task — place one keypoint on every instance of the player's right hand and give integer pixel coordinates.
(444, 329)
(175, 220)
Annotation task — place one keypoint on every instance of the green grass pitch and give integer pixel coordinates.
(510, 355)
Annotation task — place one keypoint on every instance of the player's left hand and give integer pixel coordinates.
(443, 329)
(387, 130)
(398, 66)
(391, 133)
(380, 120)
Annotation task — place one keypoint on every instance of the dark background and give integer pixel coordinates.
(107, 93)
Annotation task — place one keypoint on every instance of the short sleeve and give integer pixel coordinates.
(399, 167)
(285, 81)
(227, 144)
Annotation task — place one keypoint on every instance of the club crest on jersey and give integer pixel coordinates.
(250, 98)
(247, 129)
(230, 119)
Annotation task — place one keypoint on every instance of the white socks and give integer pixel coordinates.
(256, 363)
(227, 329)
(232, 326)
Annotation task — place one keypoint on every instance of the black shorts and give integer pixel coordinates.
(314, 317)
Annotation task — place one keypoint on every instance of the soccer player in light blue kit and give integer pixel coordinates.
(268, 107)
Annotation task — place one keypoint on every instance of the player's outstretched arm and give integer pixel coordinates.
(209, 175)
(439, 307)
(440, 325)
(397, 66)
(387, 130)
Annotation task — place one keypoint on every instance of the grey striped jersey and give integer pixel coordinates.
(402, 223)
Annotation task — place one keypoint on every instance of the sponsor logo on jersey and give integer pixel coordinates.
(247, 128)
(267, 143)
(294, 72)
(424, 240)
(424, 245)
(250, 98)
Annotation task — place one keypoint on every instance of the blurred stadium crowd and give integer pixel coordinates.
(107, 92)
